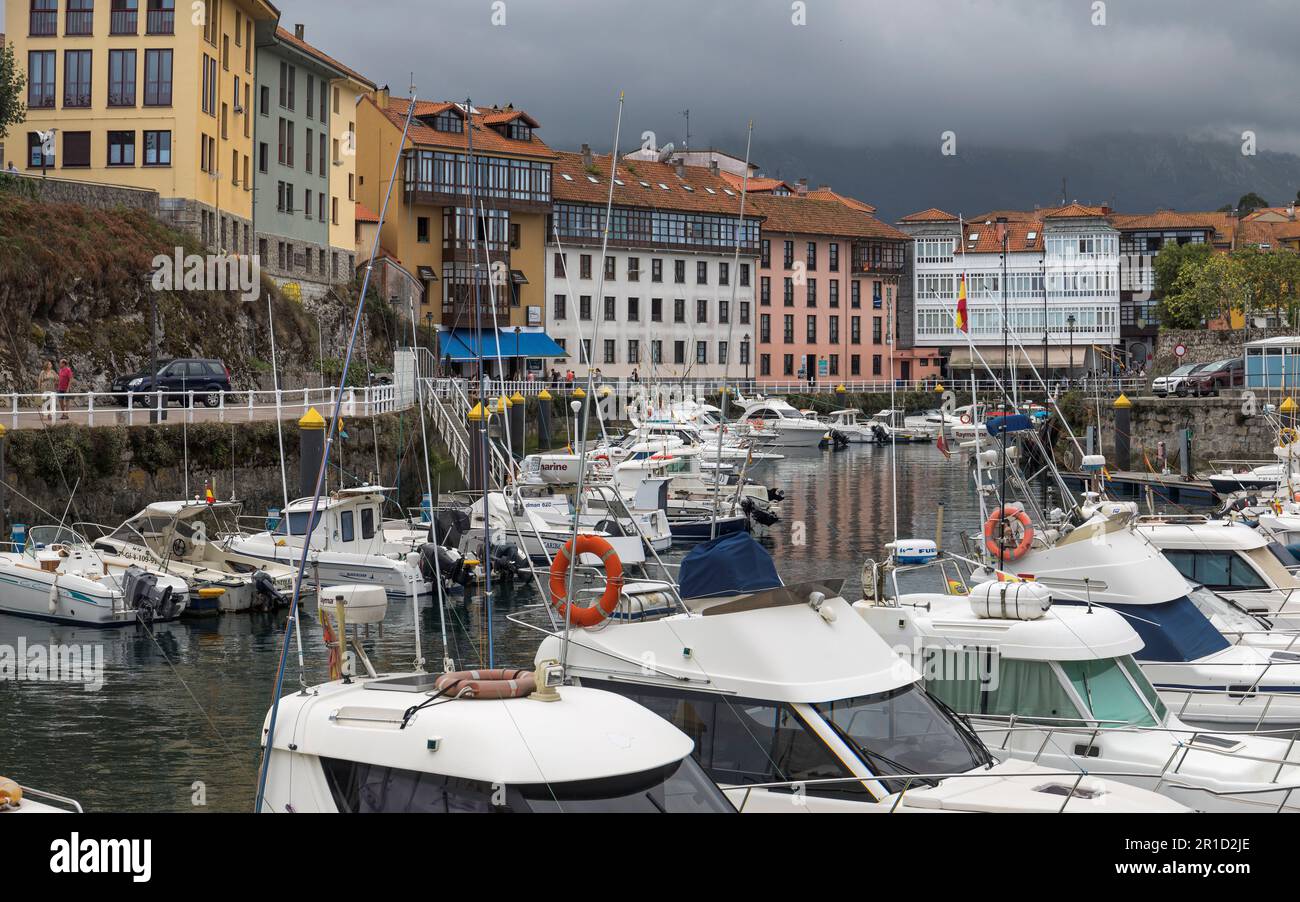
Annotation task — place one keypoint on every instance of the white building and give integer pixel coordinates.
(671, 299)
(1062, 284)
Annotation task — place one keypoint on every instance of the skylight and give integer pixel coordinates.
(665, 187)
(618, 182)
(1031, 236)
(710, 190)
(728, 192)
(592, 179)
(974, 236)
(689, 188)
(567, 177)
(645, 184)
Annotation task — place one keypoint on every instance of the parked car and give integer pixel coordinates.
(1175, 383)
(205, 377)
(1210, 380)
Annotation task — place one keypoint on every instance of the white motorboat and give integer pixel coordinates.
(846, 423)
(350, 544)
(541, 529)
(191, 540)
(16, 799)
(888, 425)
(1057, 685)
(795, 704)
(793, 429)
(58, 576)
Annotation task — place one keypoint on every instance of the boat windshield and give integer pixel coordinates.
(905, 731)
(681, 787)
(296, 523)
(1103, 685)
(39, 537)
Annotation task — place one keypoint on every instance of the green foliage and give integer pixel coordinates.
(1250, 202)
(1198, 285)
(12, 82)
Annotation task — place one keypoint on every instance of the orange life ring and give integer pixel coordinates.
(588, 616)
(965, 419)
(487, 683)
(994, 521)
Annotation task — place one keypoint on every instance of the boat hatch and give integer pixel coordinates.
(411, 682)
(362, 716)
(1218, 742)
(1284, 657)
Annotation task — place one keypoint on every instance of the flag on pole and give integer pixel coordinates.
(963, 322)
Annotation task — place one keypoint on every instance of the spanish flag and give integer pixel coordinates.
(963, 321)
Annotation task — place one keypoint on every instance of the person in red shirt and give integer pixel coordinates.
(65, 384)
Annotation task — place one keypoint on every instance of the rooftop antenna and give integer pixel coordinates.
(1064, 193)
(686, 145)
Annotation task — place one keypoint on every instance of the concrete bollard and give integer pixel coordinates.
(544, 420)
(518, 409)
(311, 448)
(476, 427)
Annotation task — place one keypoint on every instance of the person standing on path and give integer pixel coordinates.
(47, 383)
(65, 385)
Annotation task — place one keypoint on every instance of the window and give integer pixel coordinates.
(701, 352)
(835, 292)
(834, 336)
(121, 148)
(812, 329)
(633, 351)
(609, 350)
(855, 330)
(765, 291)
(367, 519)
(724, 273)
(121, 78)
(76, 149)
(679, 310)
(157, 148)
(724, 311)
(765, 259)
(701, 273)
(789, 254)
(584, 267)
(208, 95)
(161, 17)
(722, 352)
(422, 229)
(744, 275)
(1107, 694)
(765, 364)
(558, 265)
(81, 18)
(158, 77)
(634, 269)
(347, 530)
(812, 255)
(765, 328)
(633, 310)
(76, 78)
(876, 330)
(307, 159)
(834, 254)
(1216, 569)
(656, 352)
(44, 20)
(656, 270)
(40, 79)
(679, 272)
(855, 293)
(656, 310)
(789, 329)
(679, 352)
(701, 311)
(36, 156)
(875, 364)
(311, 96)
(584, 307)
(610, 313)
(789, 292)
(610, 271)
(855, 365)
(787, 365)
(812, 292)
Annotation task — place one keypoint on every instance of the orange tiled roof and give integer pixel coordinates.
(1074, 211)
(365, 214)
(825, 193)
(707, 194)
(756, 184)
(807, 215)
(1163, 219)
(486, 138)
(987, 241)
(934, 214)
(291, 39)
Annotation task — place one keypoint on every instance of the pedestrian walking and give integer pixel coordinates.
(65, 385)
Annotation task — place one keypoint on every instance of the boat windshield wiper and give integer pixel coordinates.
(861, 749)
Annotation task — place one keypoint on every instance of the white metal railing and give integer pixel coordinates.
(108, 408)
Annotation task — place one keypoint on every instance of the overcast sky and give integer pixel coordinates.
(1021, 73)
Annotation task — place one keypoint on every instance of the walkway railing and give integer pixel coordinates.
(32, 411)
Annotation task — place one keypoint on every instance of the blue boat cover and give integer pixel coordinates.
(1172, 630)
(463, 344)
(729, 565)
(1016, 422)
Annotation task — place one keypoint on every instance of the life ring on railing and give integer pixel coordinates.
(487, 683)
(586, 544)
(11, 794)
(1287, 436)
(1005, 518)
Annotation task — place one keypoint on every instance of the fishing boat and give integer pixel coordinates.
(795, 704)
(846, 423)
(349, 543)
(191, 539)
(59, 577)
(1057, 685)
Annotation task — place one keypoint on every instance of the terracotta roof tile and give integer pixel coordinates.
(707, 194)
(933, 214)
(807, 215)
(852, 202)
(1074, 211)
(1163, 219)
(365, 214)
(486, 138)
(987, 241)
(291, 39)
(757, 184)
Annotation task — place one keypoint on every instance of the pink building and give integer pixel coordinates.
(827, 288)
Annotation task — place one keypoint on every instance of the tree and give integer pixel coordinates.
(1196, 291)
(1250, 202)
(1170, 261)
(12, 82)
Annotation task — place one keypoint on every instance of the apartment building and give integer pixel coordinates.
(143, 94)
(671, 298)
(1056, 274)
(828, 271)
(466, 224)
(305, 181)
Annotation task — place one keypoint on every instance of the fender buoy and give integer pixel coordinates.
(588, 616)
(11, 794)
(487, 683)
(1287, 436)
(995, 522)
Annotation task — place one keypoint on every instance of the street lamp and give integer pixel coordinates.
(1069, 325)
(744, 352)
(519, 364)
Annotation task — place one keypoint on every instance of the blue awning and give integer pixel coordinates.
(1172, 630)
(730, 565)
(463, 344)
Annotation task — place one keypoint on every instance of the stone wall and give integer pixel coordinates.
(1220, 431)
(88, 194)
(1204, 345)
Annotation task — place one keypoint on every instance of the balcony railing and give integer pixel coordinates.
(81, 22)
(44, 22)
(124, 21)
(161, 21)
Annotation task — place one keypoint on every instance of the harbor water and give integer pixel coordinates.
(175, 724)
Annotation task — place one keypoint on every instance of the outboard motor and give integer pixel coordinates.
(266, 597)
(759, 515)
(436, 558)
(508, 558)
(775, 495)
(839, 440)
(881, 435)
(143, 594)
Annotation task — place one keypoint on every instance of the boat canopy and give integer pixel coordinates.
(730, 565)
(1172, 630)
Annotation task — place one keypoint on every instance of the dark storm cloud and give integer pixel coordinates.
(1014, 73)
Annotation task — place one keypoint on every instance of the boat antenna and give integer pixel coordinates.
(330, 433)
(731, 317)
(591, 382)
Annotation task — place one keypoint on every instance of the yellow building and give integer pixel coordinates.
(144, 94)
(430, 221)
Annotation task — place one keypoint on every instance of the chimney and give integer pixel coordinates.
(1290, 211)
(381, 98)
(823, 187)
(1105, 210)
(713, 167)
(801, 187)
(586, 155)
(680, 167)
(299, 31)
